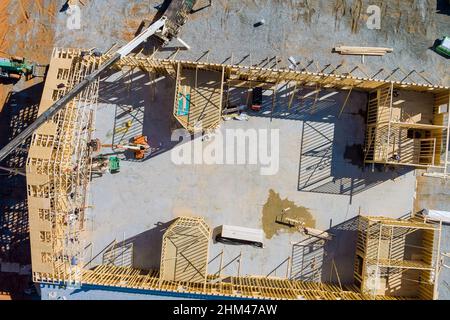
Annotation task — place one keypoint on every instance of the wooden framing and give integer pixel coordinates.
(387, 140)
(185, 246)
(198, 98)
(407, 132)
(58, 171)
(250, 287)
(396, 257)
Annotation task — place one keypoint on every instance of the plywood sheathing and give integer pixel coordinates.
(185, 250)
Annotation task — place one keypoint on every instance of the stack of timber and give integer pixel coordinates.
(363, 51)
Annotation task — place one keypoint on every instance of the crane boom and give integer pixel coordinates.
(77, 89)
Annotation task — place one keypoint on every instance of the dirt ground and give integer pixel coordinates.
(29, 34)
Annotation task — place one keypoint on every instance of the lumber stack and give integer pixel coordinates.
(363, 51)
(317, 233)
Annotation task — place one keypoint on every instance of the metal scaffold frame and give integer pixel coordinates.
(250, 287)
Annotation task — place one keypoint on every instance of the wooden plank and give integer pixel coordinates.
(345, 102)
(373, 51)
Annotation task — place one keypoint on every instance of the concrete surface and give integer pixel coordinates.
(136, 205)
(434, 194)
(320, 169)
(306, 30)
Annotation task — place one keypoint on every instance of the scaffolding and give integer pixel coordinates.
(58, 171)
(397, 257)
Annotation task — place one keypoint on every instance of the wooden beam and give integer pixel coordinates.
(390, 119)
(264, 74)
(291, 99)
(222, 81)
(274, 94)
(345, 102)
(316, 98)
(448, 138)
(365, 51)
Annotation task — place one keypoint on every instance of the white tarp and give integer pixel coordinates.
(241, 233)
(436, 215)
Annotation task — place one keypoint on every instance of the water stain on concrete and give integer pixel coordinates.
(274, 208)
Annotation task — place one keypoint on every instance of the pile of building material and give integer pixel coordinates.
(363, 51)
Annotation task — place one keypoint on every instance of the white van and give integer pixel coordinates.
(241, 235)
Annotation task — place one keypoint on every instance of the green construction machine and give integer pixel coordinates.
(16, 67)
(444, 47)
